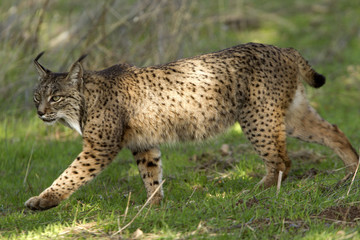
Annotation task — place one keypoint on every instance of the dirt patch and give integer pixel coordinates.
(300, 160)
(224, 158)
(264, 223)
(310, 173)
(285, 224)
(248, 203)
(306, 155)
(349, 215)
(84, 231)
(210, 161)
(252, 202)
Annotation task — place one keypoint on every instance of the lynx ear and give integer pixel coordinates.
(41, 70)
(76, 72)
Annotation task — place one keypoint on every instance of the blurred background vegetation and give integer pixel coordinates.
(147, 32)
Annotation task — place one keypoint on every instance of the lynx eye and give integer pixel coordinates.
(55, 98)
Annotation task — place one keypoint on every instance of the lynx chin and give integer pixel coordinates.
(260, 86)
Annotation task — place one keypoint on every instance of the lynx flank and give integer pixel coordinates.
(259, 86)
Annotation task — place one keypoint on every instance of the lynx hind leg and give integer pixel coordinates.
(149, 165)
(304, 123)
(266, 132)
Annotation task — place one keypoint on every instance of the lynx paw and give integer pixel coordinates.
(156, 200)
(40, 203)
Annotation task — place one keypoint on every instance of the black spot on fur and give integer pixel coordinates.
(151, 164)
(135, 153)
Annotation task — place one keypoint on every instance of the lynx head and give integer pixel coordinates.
(58, 96)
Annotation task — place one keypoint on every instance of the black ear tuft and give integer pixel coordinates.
(41, 70)
(82, 57)
(39, 56)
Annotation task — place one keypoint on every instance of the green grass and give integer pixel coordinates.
(207, 194)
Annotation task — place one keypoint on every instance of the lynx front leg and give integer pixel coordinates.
(149, 165)
(85, 167)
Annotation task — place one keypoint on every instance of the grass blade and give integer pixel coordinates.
(138, 213)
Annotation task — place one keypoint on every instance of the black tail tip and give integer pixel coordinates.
(319, 80)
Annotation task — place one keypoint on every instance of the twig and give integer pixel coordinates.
(330, 219)
(190, 196)
(138, 213)
(147, 212)
(118, 222)
(347, 213)
(283, 225)
(353, 178)
(127, 208)
(76, 213)
(279, 183)
(249, 227)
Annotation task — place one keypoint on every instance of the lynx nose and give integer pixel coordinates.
(40, 113)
